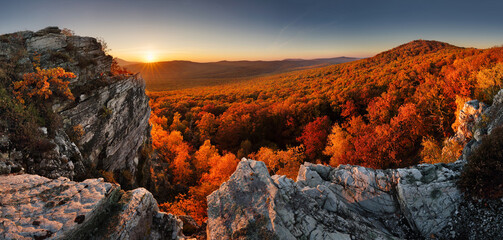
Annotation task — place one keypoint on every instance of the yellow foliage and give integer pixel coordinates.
(432, 152)
(460, 103)
(451, 151)
(204, 155)
(337, 145)
(221, 169)
(178, 150)
(490, 81)
(177, 124)
(159, 136)
(207, 125)
(282, 162)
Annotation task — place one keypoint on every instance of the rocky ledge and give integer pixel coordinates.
(110, 110)
(349, 202)
(35, 207)
(335, 203)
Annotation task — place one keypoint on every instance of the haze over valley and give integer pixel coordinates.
(174, 75)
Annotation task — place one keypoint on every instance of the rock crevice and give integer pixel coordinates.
(348, 201)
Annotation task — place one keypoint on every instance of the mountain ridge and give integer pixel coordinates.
(179, 74)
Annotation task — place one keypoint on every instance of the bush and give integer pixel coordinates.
(432, 152)
(108, 176)
(483, 174)
(43, 83)
(22, 124)
(76, 133)
(117, 70)
(67, 32)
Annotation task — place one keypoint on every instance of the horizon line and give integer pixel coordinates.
(242, 60)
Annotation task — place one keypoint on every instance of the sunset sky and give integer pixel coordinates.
(214, 30)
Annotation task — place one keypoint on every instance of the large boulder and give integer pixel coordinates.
(335, 203)
(35, 207)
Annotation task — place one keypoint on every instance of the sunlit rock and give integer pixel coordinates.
(35, 207)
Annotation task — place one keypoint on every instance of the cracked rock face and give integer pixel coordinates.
(112, 111)
(335, 203)
(38, 207)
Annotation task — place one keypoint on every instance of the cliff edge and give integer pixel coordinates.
(110, 111)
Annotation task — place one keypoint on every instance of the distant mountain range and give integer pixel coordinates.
(172, 75)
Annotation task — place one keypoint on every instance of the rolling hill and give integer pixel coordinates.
(174, 75)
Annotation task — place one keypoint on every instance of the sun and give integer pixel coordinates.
(150, 57)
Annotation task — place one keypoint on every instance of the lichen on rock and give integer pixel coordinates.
(38, 207)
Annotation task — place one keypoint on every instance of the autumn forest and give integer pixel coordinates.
(395, 109)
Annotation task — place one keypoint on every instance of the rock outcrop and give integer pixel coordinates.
(35, 207)
(105, 128)
(353, 202)
(111, 110)
(335, 203)
(471, 113)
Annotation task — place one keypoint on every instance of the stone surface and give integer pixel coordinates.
(468, 116)
(46, 42)
(335, 203)
(38, 207)
(112, 110)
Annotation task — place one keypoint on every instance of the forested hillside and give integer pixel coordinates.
(392, 110)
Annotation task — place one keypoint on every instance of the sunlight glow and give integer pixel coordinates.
(150, 57)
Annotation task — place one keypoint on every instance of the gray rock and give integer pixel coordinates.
(253, 205)
(112, 110)
(46, 42)
(38, 207)
(353, 201)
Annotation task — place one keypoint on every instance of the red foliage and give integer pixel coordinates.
(382, 109)
(314, 137)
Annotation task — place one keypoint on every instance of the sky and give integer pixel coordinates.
(214, 30)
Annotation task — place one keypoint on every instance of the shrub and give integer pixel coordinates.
(451, 151)
(76, 133)
(432, 152)
(105, 112)
(117, 70)
(22, 123)
(108, 176)
(43, 83)
(67, 32)
(184, 205)
(104, 45)
(489, 82)
(483, 174)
